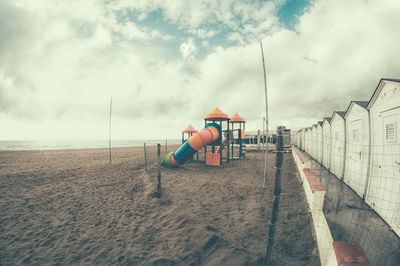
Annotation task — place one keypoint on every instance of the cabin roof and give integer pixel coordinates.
(327, 119)
(378, 89)
(341, 113)
(363, 104)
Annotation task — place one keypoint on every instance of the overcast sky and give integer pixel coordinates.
(167, 63)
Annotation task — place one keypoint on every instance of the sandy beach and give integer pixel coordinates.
(72, 207)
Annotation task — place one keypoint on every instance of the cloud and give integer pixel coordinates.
(337, 53)
(130, 31)
(207, 18)
(188, 49)
(61, 63)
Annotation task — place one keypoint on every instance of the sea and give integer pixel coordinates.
(20, 145)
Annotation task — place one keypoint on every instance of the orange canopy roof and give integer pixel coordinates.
(189, 129)
(217, 114)
(237, 119)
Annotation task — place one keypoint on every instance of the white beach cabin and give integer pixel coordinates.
(310, 141)
(307, 140)
(314, 146)
(326, 142)
(337, 144)
(319, 142)
(295, 139)
(383, 192)
(301, 139)
(357, 146)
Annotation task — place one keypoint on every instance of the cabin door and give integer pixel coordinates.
(356, 156)
(327, 150)
(390, 167)
(337, 151)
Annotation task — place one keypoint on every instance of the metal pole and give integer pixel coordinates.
(266, 116)
(233, 143)
(145, 156)
(243, 140)
(220, 144)
(277, 194)
(369, 157)
(158, 188)
(264, 137)
(227, 142)
(109, 132)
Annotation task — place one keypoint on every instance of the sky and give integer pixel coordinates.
(167, 63)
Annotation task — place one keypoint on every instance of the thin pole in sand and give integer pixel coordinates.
(109, 132)
(145, 156)
(277, 194)
(158, 187)
(166, 146)
(266, 116)
(263, 121)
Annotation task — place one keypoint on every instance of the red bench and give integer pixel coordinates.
(301, 156)
(349, 254)
(313, 180)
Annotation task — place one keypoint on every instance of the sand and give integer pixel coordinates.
(72, 207)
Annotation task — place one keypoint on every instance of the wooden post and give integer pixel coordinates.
(166, 146)
(145, 156)
(109, 132)
(158, 186)
(277, 194)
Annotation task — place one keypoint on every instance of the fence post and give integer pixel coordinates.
(145, 156)
(166, 146)
(158, 188)
(277, 194)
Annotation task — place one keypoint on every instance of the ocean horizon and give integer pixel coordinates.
(21, 145)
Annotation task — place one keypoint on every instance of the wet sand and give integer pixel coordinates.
(72, 207)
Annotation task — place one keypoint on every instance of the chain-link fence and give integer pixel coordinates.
(358, 161)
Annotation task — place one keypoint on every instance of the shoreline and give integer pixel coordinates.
(77, 145)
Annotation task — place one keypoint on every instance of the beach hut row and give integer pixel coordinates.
(361, 147)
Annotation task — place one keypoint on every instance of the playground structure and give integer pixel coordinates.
(216, 137)
(237, 136)
(188, 132)
(215, 156)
